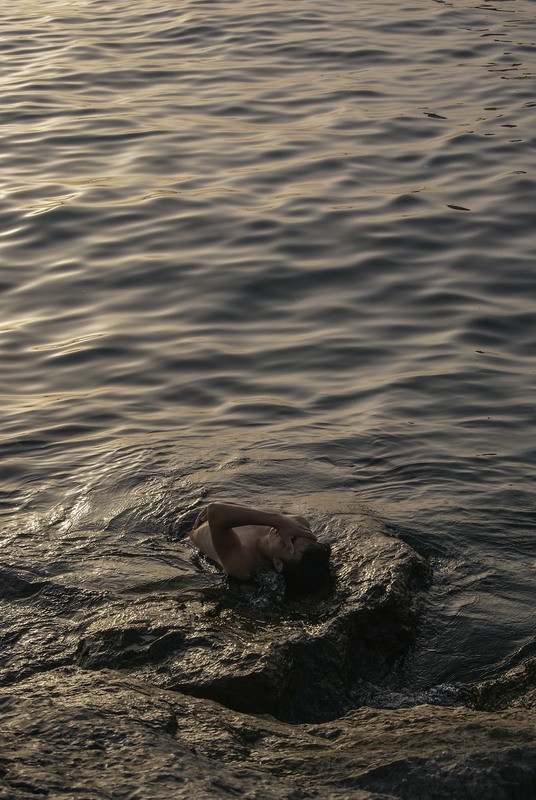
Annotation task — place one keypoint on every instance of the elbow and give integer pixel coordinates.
(214, 512)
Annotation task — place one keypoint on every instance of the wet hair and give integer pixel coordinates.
(308, 574)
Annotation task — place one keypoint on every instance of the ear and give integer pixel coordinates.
(278, 564)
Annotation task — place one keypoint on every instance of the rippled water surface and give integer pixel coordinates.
(281, 252)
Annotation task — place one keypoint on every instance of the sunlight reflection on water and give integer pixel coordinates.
(283, 253)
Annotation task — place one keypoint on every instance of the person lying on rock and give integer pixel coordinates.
(243, 541)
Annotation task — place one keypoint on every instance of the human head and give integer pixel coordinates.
(308, 573)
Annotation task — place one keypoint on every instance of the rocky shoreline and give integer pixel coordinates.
(144, 697)
(73, 733)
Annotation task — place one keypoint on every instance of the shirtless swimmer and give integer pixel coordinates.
(243, 540)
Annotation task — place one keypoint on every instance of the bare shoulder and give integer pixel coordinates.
(224, 547)
(200, 535)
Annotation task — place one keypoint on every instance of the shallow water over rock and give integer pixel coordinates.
(299, 661)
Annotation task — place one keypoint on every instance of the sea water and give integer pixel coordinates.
(282, 253)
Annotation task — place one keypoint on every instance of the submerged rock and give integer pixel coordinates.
(299, 661)
(40, 623)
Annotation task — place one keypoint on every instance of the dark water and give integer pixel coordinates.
(282, 253)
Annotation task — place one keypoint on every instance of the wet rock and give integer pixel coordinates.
(40, 623)
(136, 718)
(517, 687)
(299, 661)
(96, 735)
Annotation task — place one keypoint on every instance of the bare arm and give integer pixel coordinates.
(223, 517)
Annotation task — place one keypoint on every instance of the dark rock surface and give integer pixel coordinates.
(74, 733)
(515, 689)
